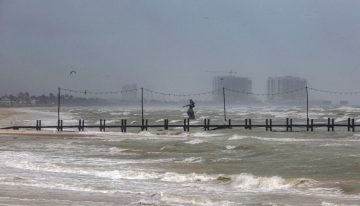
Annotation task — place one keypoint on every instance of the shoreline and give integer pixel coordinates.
(47, 134)
(6, 113)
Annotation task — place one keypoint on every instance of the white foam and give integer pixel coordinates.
(146, 134)
(341, 119)
(335, 204)
(205, 134)
(195, 141)
(272, 139)
(192, 177)
(245, 182)
(116, 150)
(229, 147)
(121, 113)
(225, 159)
(69, 187)
(238, 137)
(192, 160)
(110, 121)
(335, 145)
(192, 200)
(251, 182)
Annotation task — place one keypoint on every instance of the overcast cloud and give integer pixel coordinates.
(169, 45)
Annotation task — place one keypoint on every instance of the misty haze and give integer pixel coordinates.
(179, 102)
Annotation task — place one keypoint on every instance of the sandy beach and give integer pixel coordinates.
(8, 116)
(8, 112)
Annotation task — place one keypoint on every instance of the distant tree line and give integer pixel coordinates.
(25, 99)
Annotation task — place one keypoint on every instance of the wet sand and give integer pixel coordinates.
(44, 134)
(6, 113)
(6, 116)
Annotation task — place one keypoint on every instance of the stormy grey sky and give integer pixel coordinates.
(169, 45)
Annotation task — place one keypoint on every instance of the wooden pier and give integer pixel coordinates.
(247, 124)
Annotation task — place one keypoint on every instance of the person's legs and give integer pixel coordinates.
(191, 114)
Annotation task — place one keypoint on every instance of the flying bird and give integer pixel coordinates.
(72, 72)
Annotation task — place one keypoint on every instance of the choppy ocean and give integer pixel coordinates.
(157, 167)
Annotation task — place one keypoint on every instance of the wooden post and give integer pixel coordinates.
(267, 125)
(146, 124)
(205, 127)
(142, 108)
(312, 125)
(224, 104)
(37, 125)
(58, 125)
(104, 126)
(59, 104)
(230, 124)
(270, 124)
(287, 124)
(125, 122)
(250, 124)
(332, 124)
(307, 103)
(348, 125)
(353, 125)
(61, 125)
(184, 125)
(142, 124)
(307, 124)
(83, 125)
(208, 124)
(122, 125)
(166, 123)
(328, 125)
(100, 127)
(291, 125)
(188, 125)
(79, 126)
(246, 123)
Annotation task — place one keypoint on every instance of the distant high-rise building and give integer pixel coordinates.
(284, 89)
(130, 93)
(241, 84)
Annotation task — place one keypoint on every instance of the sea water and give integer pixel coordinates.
(159, 167)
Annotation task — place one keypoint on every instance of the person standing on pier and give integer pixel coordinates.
(190, 111)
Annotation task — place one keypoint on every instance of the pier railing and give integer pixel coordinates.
(247, 124)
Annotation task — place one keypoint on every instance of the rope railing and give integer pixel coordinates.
(181, 95)
(265, 94)
(334, 92)
(97, 92)
(209, 92)
(151, 92)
